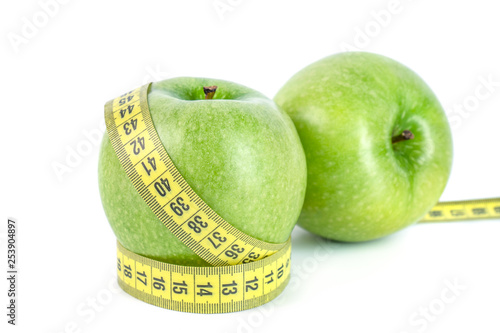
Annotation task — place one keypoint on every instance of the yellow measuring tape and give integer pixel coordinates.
(464, 210)
(204, 289)
(231, 287)
(247, 272)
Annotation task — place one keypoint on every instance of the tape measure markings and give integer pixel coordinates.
(231, 288)
(464, 210)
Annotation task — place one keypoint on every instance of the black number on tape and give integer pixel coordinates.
(180, 288)
(162, 187)
(197, 220)
(216, 235)
(128, 109)
(159, 284)
(152, 163)
(203, 289)
(252, 256)
(457, 212)
(436, 213)
(125, 100)
(180, 207)
(226, 291)
(138, 144)
(143, 274)
(235, 249)
(128, 271)
(130, 126)
(281, 271)
(479, 211)
(252, 284)
(270, 275)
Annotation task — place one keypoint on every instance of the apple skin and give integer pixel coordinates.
(239, 152)
(360, 185)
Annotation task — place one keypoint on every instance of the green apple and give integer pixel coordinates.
(238, 151)
(377, 142)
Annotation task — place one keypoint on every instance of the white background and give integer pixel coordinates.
(56, 79)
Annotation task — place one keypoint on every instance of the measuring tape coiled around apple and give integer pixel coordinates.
(247, 272)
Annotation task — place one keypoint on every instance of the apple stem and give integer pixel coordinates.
(406, 135)
(209, 91)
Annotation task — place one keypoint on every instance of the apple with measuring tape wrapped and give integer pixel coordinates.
(377, 142)
(236, 149)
